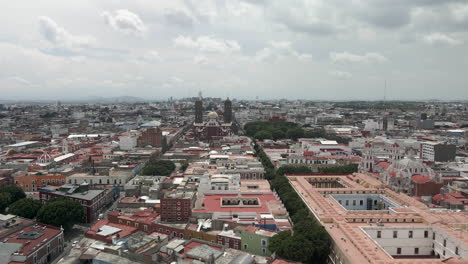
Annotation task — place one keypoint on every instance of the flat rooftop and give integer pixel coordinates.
(346, 227)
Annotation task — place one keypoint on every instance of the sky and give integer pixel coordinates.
(270, 49)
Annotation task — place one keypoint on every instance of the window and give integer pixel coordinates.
(410, 234)
(433, 236)
(426, 234)
(445, 243)
(456, 250)
(361, 202)
(379, 234)
(264, 251)
(354, 202)
(416, 251)
(395, 234)
(263, 242)
(398, 251)
(347, 202)
(245, 246)
(145, 227)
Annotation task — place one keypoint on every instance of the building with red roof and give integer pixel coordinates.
(37, 243)
(451, 200)
(424, 186)
(105, 231)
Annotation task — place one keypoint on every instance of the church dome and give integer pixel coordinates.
(212, 115)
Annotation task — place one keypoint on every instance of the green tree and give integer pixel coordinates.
(61, 213)
(158, 167)
(16, 192)
(184, 165)
(279, 242)
(295, 133)
(345, 169)
(262, 135)
(309, 242)
(5, 201)
(278, 134)
(25, 207)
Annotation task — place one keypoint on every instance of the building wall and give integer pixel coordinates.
(229, 242)
(150, 137)
(403, 241)
(255, 244)
(176, 210)
(171, 232)
(92, 208)
(98, 179)
(47, 251)
(426, 189)
(189, 234)
(31, 183)
(361, 201)
(444, 152)
(449, 248)
(430, 240)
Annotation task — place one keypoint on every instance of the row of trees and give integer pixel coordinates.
(308, 242)
(345, 169)
(262, 130)
(158, 168)
(57, 212)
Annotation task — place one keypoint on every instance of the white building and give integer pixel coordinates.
(128, 141)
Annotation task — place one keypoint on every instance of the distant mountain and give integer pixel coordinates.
(83, 100)
(110, 100)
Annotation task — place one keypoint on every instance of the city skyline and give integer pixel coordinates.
(318, 50)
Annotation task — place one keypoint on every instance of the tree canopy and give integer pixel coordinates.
(310, 242)
(5, 201)
(25, 207)
(345, 169)
(158, 168)
(61, 213)
(15, 192)
(184, 165)
(262, 130)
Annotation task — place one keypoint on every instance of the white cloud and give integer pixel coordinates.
(18, 80)
(440, 38)
(179, 18)
(370, 57)
(208, 44)
(341, 75)
(125, 21)
(60, 37)
(460, 13)
(150, 56)
(200, 59)
(278, 50)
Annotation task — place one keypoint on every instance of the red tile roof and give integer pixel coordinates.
(213, 203)
(417, 178)
(47, 233)
(125, 230)
(383, 164)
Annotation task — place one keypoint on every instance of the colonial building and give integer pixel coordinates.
(94, 202)
(214, 127)
(30, 243)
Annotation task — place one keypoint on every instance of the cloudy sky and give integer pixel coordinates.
(309, 49)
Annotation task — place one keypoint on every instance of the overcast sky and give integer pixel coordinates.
(308, 49)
